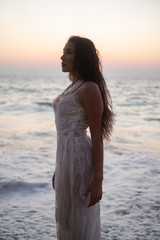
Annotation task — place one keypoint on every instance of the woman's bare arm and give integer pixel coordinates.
(90, 98)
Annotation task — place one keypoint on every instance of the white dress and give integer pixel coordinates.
(74, 170)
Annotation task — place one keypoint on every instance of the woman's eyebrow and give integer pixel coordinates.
(67, 49)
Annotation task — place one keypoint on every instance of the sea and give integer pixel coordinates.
(130, 208)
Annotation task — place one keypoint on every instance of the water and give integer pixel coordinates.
(130, 208)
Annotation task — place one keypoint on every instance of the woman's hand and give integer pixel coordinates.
(53, 180)
(95, 189)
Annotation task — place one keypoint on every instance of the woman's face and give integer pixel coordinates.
(68, 58)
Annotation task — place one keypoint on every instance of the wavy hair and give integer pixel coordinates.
(88, 67)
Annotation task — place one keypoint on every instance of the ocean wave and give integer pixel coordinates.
(21, 186)
(152, 119)
(19, 89)
(44, 104)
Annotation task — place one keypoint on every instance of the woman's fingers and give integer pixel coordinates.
(95, 190)
(94, 200)
(100, 197)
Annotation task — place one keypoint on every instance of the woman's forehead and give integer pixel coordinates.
(69, 46)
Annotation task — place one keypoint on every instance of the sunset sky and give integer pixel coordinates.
(126, 32)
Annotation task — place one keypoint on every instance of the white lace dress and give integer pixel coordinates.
(74, 170)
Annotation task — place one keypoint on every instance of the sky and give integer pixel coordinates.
(34, 32)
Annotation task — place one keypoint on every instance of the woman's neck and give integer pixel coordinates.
(75, 79)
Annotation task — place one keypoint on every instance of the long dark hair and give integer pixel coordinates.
(88, 67)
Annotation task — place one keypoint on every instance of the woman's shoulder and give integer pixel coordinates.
(89, 84)
(89, 91)
(89, 87)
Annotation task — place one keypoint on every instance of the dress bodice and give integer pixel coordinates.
(70, 117)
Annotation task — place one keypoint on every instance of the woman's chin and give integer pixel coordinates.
(64, 70)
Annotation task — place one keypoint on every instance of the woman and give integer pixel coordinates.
(79, 165)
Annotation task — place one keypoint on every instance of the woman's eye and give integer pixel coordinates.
(69, 52)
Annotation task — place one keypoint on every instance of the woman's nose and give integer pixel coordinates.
(62, 57)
